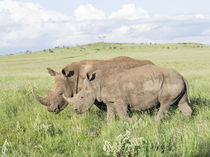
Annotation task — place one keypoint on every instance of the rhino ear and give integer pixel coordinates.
(88, 75)
(91, 77)
(52, 72)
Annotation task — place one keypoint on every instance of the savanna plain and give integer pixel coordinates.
(28, 129)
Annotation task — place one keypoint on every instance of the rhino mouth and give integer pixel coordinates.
(78, 112)
(58, 109)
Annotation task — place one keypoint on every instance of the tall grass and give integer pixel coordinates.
(28, 129)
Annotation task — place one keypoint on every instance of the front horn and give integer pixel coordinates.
(43, 101)
(69, 100)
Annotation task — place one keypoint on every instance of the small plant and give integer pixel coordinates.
(44, 129)
(124, 145)
(48, 128)
(5, 149)
(19, 127)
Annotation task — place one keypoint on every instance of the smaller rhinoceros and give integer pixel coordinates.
(138, 88)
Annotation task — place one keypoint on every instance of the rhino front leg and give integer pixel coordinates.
(121, 110)
(110, 112)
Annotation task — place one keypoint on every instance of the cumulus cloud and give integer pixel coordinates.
(28, 26)
(129, 11)
(88, 12)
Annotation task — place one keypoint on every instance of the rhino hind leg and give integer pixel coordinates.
(184, 106)
(185, 109)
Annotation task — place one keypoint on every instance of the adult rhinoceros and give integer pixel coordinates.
(70, 80)
(138, 88)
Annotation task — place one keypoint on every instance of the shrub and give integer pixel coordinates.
(124, 145)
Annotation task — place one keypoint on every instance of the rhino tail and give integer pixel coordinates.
(187, 90)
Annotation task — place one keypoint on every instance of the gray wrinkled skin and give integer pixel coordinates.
(70, 80)
(85, 99)
(138, 88)
(54, 100)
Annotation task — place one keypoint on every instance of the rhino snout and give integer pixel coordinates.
(76, 109)
(57, 110)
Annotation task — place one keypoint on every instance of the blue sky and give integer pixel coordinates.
(41, 24)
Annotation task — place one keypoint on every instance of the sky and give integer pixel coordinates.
(30, 25)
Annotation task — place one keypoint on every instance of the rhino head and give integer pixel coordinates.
(54, 100)
(83, 100)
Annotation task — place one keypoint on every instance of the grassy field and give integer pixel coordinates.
(28, 129)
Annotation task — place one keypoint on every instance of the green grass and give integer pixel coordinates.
(31, 130)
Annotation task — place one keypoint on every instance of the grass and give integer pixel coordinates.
(31, 130)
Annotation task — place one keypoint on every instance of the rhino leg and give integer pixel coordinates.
(110, 112)
(163, 111)
(183, 105)
(185, 108)
(121, 110)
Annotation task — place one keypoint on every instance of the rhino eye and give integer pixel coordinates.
(82, 97)
(60, 93)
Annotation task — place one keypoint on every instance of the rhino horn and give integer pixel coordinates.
(69, 100)
(43, 101)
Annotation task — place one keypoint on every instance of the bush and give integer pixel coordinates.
(124, 145)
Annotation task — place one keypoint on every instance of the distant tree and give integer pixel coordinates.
(102, 37)
(51, 51)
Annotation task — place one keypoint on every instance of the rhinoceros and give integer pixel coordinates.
(138, 88)
(70, 80)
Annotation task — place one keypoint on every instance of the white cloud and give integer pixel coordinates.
(21, 24)
(200, 16)
(143, 27)
(121, 30)
(28, 13)
(129, 11)
(88, 12)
